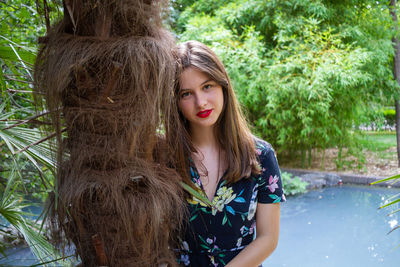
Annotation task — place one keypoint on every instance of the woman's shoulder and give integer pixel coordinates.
(263, 148)
(269, 181)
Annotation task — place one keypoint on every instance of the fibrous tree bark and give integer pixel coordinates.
(106, 72)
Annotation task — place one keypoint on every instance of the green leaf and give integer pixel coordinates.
(7, 53)
(11, 210)
(224, 220)
(390, 203)
(196, 194)
(18, 138)
(397, 176)
(193, 217)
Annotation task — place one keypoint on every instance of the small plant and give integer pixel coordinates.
(293, 185)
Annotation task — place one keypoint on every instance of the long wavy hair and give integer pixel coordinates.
(106, 72)
(231, 131)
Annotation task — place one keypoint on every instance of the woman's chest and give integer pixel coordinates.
(232, 204)
(229, 223)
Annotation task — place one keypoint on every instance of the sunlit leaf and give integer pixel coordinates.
(390, 203)
(7, 53)
(197, 194)
(394, 177)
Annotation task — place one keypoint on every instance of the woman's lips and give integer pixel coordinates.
(204, 113)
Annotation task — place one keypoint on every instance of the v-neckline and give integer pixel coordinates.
(201, 183)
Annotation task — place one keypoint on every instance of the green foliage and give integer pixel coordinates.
(371, 116)
(390, 116)
(307, 71)
(18, 144)
(20, 179)
(208, 30)
(293, 185)
(306, 98)
(11, 210)
(26, 160)
(21, 21)
(377, 118)
(15, 107)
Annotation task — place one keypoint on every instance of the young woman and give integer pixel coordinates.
(219, 157)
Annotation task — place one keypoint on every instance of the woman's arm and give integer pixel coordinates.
(267, 230)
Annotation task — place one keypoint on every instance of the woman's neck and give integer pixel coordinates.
(204, 138)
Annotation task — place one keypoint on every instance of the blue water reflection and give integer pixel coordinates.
(338, 226)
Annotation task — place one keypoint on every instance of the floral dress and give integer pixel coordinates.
(215, 235)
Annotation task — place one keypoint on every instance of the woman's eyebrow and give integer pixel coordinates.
(206, 81)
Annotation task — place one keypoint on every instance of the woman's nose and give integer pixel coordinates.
(201, 100)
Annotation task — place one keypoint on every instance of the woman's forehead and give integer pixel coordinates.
(192, 78)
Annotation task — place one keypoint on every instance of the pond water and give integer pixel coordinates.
(22, 255)
(338, 226)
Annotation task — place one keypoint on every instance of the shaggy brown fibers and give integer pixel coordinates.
(106, 72)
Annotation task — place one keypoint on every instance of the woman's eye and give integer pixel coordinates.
(185, 94)
(207, 86)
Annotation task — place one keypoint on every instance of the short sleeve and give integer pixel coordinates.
(269, 182)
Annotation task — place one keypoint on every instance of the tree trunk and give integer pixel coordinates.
(397, 105)
(396, 71)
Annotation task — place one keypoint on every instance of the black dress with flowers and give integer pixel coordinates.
(214, 236)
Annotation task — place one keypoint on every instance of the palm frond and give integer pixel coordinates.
(11, 206)
(394, 177)
(21, 139)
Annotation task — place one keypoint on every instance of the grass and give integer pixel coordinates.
(377, 142)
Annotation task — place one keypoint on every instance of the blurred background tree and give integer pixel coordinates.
(307, 72)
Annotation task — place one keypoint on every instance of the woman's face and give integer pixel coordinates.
(200, 99)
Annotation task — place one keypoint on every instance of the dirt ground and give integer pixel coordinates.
(376, 164)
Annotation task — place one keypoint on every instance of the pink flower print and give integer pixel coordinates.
(252, 228)
(209, 241)
(258, 151)
(198, 182)
(273, 183)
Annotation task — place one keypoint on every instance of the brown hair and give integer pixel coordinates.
(106, 72)
(231, 131)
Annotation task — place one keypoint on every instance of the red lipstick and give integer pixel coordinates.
(204, 113)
